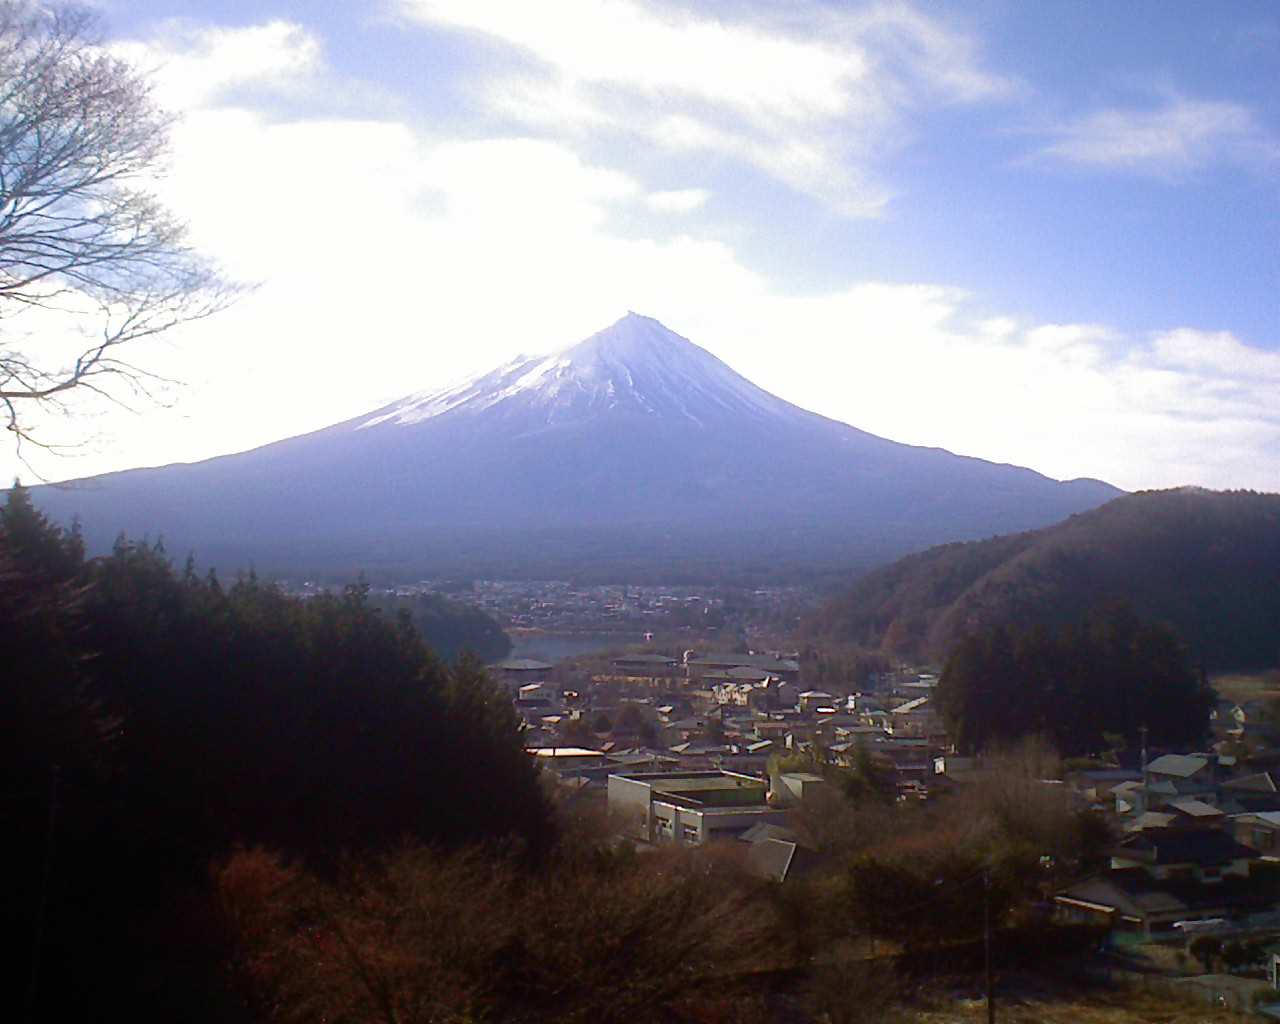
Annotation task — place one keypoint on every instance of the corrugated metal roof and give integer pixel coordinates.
(1262, 782)
(771, 858)
(1196, 808)
(1182, 766)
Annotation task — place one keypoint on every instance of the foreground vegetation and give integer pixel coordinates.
(152, 719)
(600, 932)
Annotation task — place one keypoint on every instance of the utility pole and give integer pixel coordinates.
(986, 944)
(1146, 779)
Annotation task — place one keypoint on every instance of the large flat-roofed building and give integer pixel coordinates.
(786, 669)
(516, 672)
(691, 807)
(645, 665)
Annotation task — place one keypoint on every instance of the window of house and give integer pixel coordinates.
(690, 834)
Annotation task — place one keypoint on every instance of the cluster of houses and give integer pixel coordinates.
(1200, 836)
(1198, 833)
(1199, 847)
(688, 764)
(726, 711)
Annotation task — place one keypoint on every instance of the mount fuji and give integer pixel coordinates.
(632, 453)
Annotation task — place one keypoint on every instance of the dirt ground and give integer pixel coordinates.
(1038, 1001)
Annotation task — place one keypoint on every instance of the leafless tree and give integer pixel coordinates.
(90, 260)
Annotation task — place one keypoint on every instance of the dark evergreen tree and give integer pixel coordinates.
(1112, 674)
(186, 718)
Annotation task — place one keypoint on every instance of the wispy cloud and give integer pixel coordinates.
(1217, 354)
(1169, 140)
(815, 101)
(191, 65)
(677, 200)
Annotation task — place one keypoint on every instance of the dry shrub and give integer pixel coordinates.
(835, 825)
(854, 992)
(424, 936)
(1008, 815)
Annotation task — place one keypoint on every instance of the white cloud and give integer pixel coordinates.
(816, 102)
(677, 200)
(392, 262)
(191, 65)
(1216, 354)
(756, 73)
(910, 363)
(947, 61)
(1170, 140)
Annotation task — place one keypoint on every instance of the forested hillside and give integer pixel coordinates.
(1205, 562)
(1079, 686)
(153, 720)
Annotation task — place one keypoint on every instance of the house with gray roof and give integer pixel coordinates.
(1173, 777)
(1159, 877)
(1260, 831)
(781, 860)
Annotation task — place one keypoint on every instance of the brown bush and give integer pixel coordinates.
(424, 936)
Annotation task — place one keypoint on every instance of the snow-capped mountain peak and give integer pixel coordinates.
(635, 366)
(632, 447)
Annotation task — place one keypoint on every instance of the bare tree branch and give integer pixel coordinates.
(90, 260)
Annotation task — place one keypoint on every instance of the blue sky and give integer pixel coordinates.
(1038, 233)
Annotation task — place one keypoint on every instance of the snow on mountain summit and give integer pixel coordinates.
(635, 366)
(634, 447)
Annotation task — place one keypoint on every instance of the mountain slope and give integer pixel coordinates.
(632, 448)
(1208, 563)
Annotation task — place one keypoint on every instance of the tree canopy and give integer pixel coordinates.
(153, 719)
(1112, 673)
(449, 627)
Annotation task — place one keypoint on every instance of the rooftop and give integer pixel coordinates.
(705, 789)
(1208, 848)
(643, 659)
(1181, 766)
(761, 661)
(559, 752)
(522, 665)
(1266, 817)
(1196, 808)
(1262, 782)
